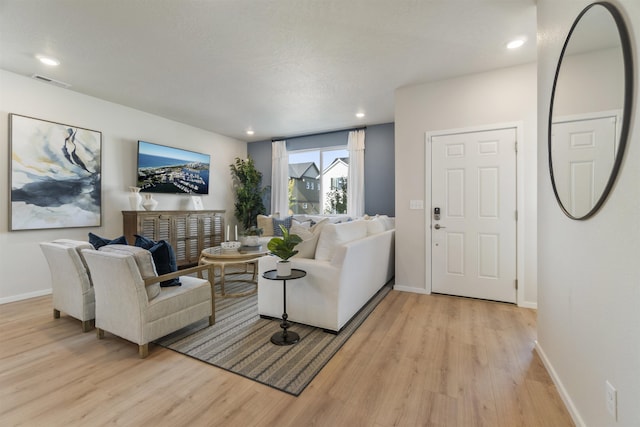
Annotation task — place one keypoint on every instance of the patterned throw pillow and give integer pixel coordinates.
(286, 222)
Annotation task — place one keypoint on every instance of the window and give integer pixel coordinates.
(318, 181)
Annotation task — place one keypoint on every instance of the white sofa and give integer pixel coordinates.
(351, 262)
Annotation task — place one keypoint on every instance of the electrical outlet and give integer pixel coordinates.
(611, 396)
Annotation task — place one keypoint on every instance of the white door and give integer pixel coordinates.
(474, 239)
(583, 153)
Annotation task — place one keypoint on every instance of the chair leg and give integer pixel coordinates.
(56, 314)
(143, 350)
(99, 333)
(212, 320)
(87, 325)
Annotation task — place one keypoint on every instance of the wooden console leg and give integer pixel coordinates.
(56, 314)
(143, 350)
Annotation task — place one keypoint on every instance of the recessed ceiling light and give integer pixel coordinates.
(47, 60)
(250, 132)
(359, 115)
(514, 44)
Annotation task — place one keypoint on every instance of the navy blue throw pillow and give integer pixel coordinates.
(163, 256)
(143, 242)
(99, 242)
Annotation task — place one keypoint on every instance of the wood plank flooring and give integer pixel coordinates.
(418, 360)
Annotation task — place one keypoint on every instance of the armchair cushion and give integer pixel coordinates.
(98, 242)
(144, 261)
(163, 255)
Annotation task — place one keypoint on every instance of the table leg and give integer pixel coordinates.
(285, 337)
(222, 280)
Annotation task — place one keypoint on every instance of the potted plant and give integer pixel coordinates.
(283, 248)
(247, 183)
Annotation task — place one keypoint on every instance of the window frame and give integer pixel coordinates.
(321, 166)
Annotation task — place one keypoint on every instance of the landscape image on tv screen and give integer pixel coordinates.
(163, 169)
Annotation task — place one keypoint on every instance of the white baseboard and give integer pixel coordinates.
(21, 297)
(526, 304)
(573, 411)
(410, 289)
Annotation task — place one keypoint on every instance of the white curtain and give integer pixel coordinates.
(355, 179)
(279, 178)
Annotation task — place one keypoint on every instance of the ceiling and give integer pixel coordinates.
(279, 67)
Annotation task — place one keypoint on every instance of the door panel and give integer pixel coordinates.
(474, 242)
(583, 154)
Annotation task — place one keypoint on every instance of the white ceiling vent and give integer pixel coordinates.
(51, 81)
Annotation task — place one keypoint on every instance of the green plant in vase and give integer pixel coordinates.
(284, 248)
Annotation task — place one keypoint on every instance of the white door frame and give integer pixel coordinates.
(519, 200)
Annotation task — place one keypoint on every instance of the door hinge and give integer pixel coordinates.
(516, 284)
(516, 215)
(515, 144)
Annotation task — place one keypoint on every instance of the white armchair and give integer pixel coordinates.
(125, 307)
(70, 281)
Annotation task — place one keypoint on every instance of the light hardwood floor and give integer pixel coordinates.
(426, 360)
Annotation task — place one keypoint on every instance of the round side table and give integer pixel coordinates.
(284, 337)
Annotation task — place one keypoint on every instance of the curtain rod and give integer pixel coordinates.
(319, 133)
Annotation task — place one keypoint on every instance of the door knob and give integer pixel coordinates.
(438, 226)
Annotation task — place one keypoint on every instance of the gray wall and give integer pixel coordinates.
(379, 169)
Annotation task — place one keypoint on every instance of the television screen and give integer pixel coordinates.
(163, 169)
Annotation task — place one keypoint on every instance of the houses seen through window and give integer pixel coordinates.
(318, 181)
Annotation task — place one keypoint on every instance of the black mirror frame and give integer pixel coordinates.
(627, 57)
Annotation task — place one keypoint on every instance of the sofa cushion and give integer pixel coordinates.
(309, 236)
(302, 224)
(389, 222)
(266, 223)
(144, 261)
(375, 226)
(334, 235)
(285, 222)
(99, 242)
(163, 255)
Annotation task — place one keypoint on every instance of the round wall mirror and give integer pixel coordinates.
(590, 110)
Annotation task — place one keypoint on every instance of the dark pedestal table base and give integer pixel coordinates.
(284, 337)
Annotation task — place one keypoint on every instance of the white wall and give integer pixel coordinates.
(502, 96)
(589, 274)
(24, 269)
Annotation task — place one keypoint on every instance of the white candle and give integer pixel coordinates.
(236, 232)
(227, 236)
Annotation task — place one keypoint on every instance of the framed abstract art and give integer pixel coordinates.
(55, 175)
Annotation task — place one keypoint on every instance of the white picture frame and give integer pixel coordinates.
(196, 201)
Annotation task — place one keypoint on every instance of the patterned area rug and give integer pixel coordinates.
(240, 342)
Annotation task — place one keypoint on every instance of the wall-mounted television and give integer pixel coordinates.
(163, 169)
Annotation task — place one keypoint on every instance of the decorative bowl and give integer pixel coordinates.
(230, 246)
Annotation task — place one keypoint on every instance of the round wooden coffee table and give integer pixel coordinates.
(220, 258)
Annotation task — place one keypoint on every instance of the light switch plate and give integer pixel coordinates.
(416, 204)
